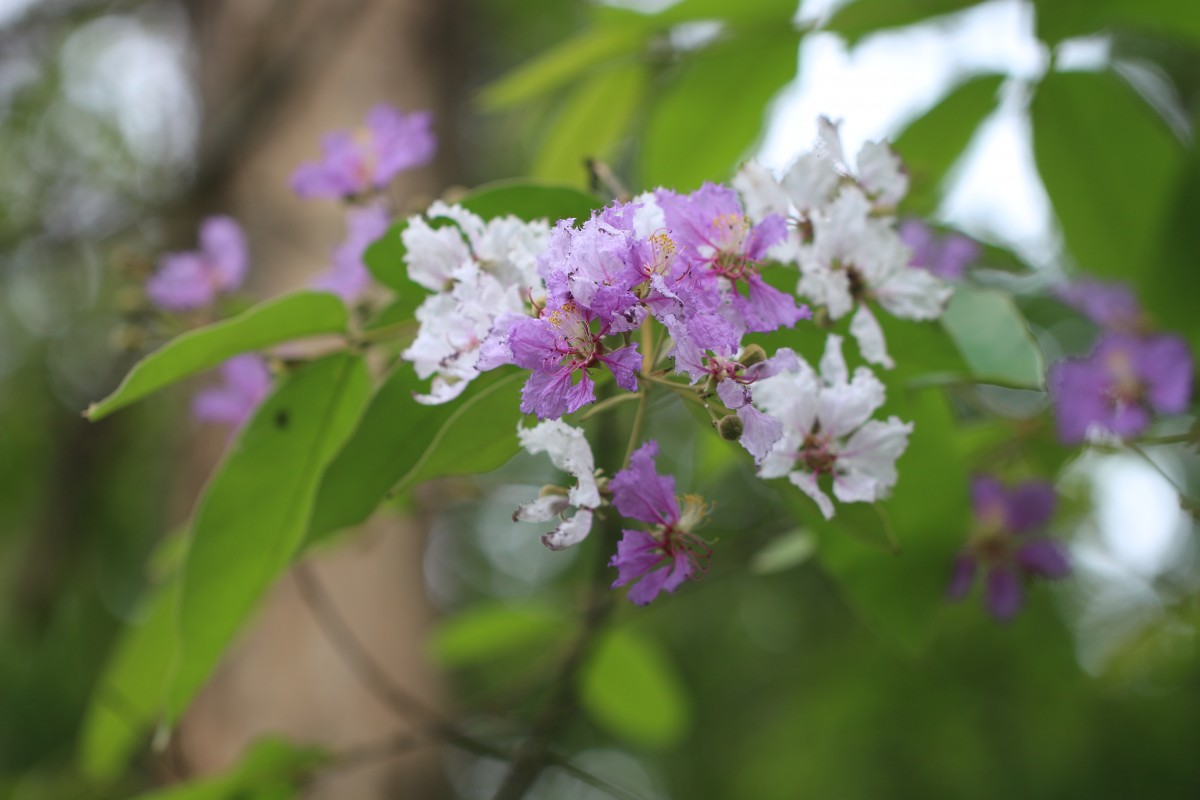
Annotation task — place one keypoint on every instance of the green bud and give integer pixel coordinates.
(752, 354)
(730, 427)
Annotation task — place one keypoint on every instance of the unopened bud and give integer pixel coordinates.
(552, 490)
(753, 354)
(730, 427)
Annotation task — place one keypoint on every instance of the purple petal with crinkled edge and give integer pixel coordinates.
(1079, 388)
(637, 553)
(223, 244)
(667, 578)
(639, 492)
(760, 432)
(1044, 557)
(341, 172)
(987, 496)
(1003, 593)
(624, 364)
(550, 395)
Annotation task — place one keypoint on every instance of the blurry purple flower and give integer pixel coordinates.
(662, 559)
(1119, 386)
(245, 383)
(185, 281)
(393, 142)
(1110, 304)
(1000, 544)
(947, 257)
(349, 278)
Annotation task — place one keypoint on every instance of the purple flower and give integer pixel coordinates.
(561, 348)
(186, 281)
(392, 143)
(1119, 386)
(1110, 304)
(245, 383)
(663, 558)
(348, 277)
(1001, 545)
(715, 236)
(947, 257)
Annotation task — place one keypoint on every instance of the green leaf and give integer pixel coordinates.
(256, 509)
(565, 62)
(1110, 192)
(1063, 19)
(591, 123)
(714, 110)
(630, 688)
(859, 18)
(131, 694)
(272, 769)
(400, 443)
(530, 200)
(385, 260)
(992, 335)
(740, 13)
(933, 143)
(487, 633)
(1164, 285)
(290, 317)
(784, 552)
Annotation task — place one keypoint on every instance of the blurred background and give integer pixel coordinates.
(1059, 133)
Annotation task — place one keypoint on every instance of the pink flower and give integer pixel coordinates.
(185, 281)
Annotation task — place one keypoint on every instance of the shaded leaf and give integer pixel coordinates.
(530, 200)
(859, 18)
(1110, 191)
(399, 443)
(272, 769)
(784, 552)
(290, 317)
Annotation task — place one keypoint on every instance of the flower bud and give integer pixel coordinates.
(730, 427)
(752, 354)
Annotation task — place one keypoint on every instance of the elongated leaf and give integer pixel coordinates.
(256, 509)
(784, 552)
(530, 200)
(712, 113)
(740, 13)
(993, 337)
(1063, 19)
(932, 144)
(271, 770)
(566, 62)
(860, 18)
(131, 695)
(290, 317)
(629, 687)
(486, 633)
(1110, 192)
(591, 123)
(400, 442)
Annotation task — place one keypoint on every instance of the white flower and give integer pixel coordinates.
(569, 451)
(828, 430)
(479, 270)
(882, 174)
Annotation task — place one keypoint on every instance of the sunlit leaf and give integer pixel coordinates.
(993, 337)
(859, 18)
(591, 123)
(530, 200)
(290, 317)
(933, 143)
(713, 110)
(489, 632)
(629, 687)
(255, 510)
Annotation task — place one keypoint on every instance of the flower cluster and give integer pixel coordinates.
(1003, 544)
(843, 236)
(1130, 375)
